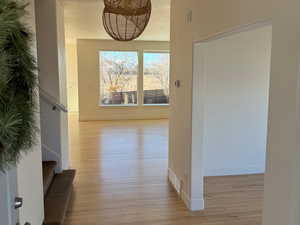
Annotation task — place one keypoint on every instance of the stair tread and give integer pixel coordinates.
(48, 174)
(57, 198)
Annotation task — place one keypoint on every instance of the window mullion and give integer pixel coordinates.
(141, 78)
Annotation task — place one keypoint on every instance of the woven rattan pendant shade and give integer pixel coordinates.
(125, 20)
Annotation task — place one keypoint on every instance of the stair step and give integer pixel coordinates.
(58, 197)
(48, 174)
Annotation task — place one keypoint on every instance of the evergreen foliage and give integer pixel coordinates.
(17, 84)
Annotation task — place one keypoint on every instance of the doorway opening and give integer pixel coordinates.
(230, 116)
(118, 100)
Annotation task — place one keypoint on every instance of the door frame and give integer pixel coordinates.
(196, 182)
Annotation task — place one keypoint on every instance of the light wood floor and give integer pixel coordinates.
(122, 180)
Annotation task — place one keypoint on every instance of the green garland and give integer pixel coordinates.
(17, 84)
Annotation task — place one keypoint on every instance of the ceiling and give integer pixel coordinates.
(83, 21)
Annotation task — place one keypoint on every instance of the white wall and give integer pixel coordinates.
(209, 18)
(29, 170)
(282, 180)
(212, 17)
(72, 77)
(51, 63)
(62, 83)
(89, 81)
(237, 71)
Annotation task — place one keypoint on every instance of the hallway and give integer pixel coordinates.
(122, 180)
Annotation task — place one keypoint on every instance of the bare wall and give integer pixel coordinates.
(52, 71)
(29, 169)
(211, 17)
(72, 77)
(89, 82)
(236, 72)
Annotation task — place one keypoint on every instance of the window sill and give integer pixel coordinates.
(116, 106)
(159, 105)
(124, 106)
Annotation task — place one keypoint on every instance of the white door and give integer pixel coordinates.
(8, 192)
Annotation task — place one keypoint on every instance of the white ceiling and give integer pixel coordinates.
(83, 21)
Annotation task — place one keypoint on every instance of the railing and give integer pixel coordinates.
(52, 101)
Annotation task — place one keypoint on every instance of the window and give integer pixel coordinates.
(118, 79)
(156, 78)
(125, 82)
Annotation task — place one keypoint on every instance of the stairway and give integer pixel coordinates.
(57, 192)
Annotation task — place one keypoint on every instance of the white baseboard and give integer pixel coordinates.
(175, 181)
(247, 169)
(192, 204)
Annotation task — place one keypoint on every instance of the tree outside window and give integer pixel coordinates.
(156, 78)
(119, 74)
(118, 83)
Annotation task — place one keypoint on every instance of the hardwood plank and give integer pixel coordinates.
(122, 180)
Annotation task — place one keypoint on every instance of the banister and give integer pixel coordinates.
(56, 105)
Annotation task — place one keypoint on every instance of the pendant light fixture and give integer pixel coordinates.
(125, 20)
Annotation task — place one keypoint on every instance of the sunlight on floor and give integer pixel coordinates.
(122, 180)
